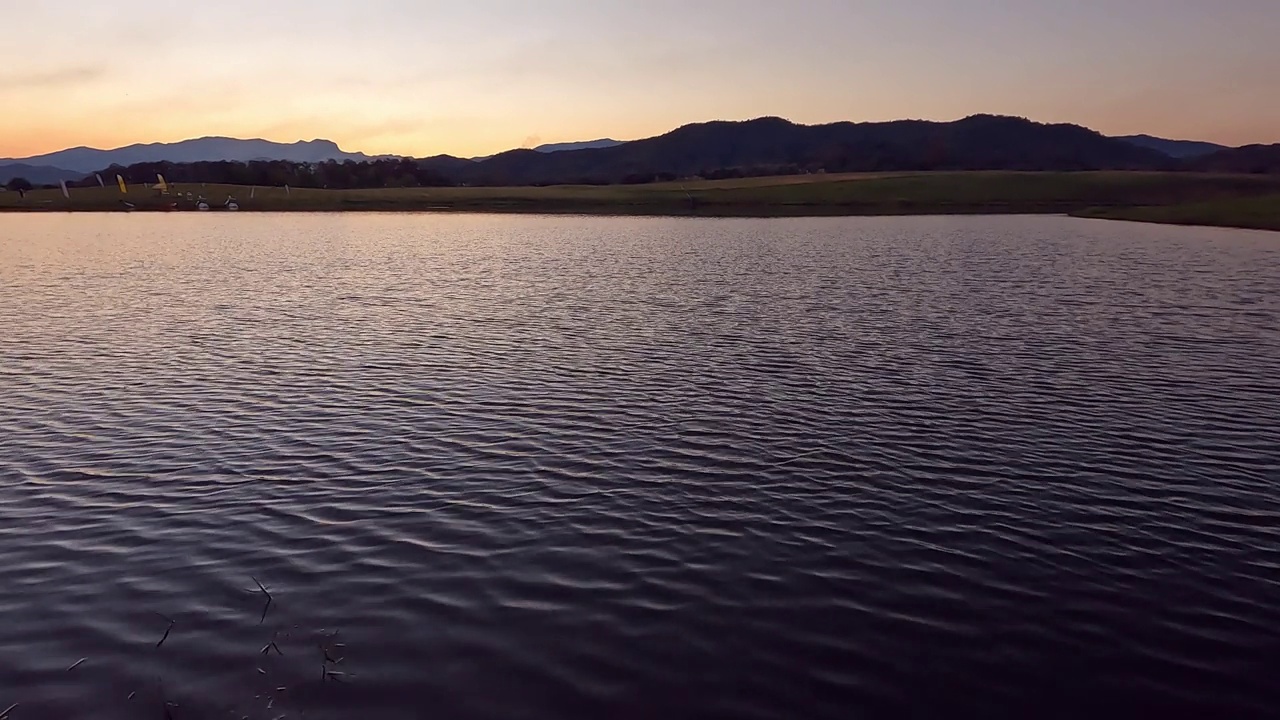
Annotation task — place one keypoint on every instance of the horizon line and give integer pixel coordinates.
(302, 141)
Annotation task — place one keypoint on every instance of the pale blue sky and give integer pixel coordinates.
(424, 77)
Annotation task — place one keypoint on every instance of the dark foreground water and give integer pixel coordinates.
(550, 468)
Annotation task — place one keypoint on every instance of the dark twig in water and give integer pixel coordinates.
(269, 647)
(76, 664)
(328, 648)
(266, 592)
(4, 714)
(133, 694)
(166, 633)
(327, 674)
(266, 649)
(260, 587)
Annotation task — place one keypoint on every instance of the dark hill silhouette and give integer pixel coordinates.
(1248, 159)
(773, 145)
(448, 165)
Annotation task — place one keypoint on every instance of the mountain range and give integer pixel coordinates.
(562, 147)
(761, 146)
(75, 163)
(774, 146)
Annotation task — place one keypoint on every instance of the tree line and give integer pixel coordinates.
(329, 174)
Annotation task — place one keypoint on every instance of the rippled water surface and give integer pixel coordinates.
(561, 467)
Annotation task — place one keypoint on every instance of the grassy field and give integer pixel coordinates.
(1097, 193)
(1261, 213)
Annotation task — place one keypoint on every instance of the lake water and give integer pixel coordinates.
(563, 467)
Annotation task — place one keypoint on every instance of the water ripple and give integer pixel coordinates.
(536, 467)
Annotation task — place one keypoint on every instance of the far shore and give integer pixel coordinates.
(1245, 201)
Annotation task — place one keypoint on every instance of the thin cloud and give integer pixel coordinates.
(61, 78)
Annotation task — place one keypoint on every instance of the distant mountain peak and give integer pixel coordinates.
(1173, 148)
(585, 145)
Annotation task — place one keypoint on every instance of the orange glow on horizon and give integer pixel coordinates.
(499, 75)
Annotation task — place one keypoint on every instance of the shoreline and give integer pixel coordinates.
(602, 210)
(1241, 201)
(1121, 214)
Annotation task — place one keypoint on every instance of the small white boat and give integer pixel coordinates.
(231, 204)
(201, 204)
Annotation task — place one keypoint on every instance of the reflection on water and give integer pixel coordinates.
(534, 467)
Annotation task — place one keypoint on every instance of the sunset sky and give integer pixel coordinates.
(421, 77)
